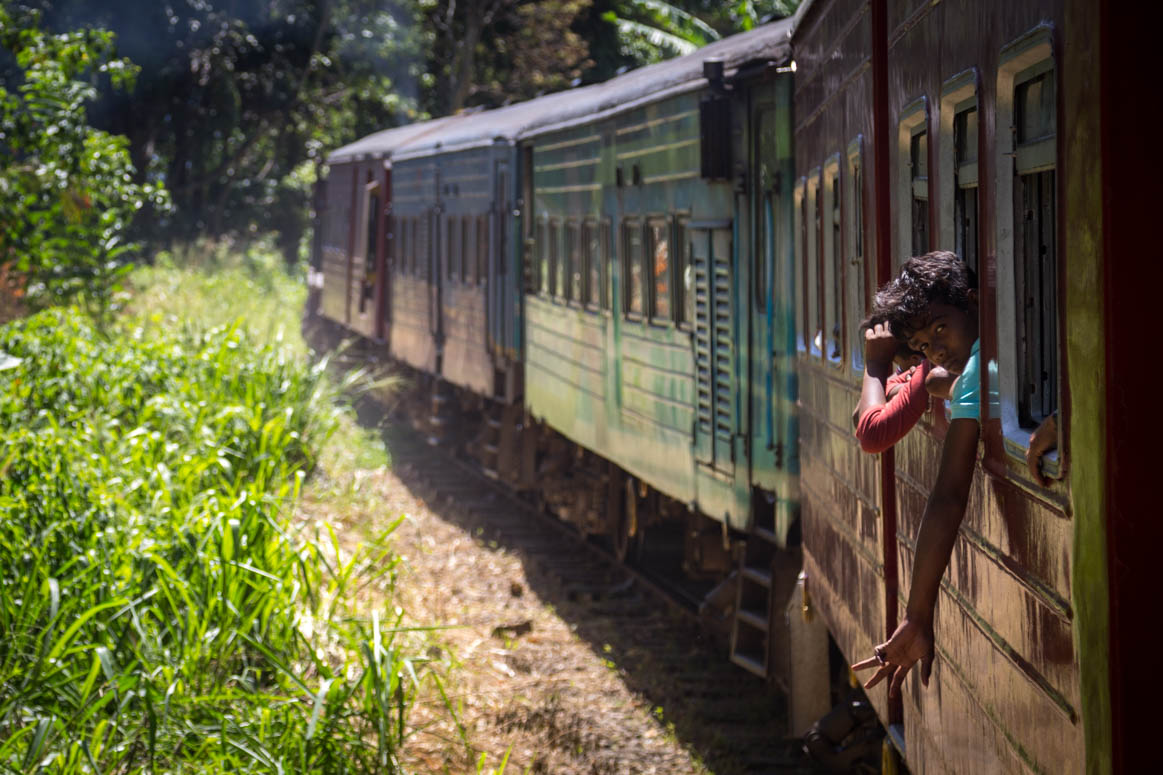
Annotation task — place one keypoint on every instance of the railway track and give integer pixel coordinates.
(647, 627)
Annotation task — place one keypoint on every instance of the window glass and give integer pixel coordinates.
(632, 257)
(1035, 107)
(919, 167)
(812, 324)
(658, 257)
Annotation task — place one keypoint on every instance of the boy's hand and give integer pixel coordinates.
(880, 346)
(912, 641)
(1042, 440)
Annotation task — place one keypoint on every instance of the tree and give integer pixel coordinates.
(67, 194)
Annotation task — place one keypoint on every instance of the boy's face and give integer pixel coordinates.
(946, 337)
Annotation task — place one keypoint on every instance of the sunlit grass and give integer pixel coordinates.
(160, 609)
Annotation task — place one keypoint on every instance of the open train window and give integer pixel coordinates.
(856, 273)
(958, 217)
(592, 255)
(482, 249)
(541, 251)
(370, 247)
(913, 152)
(452, 246)
(813, 322)
(556, 264)
(799, 228)
(833, 270)
(634, 297)
(658, 264)
(1027, 215)
(467, 250)
(684, 275)
(575, 266)
(604, 238)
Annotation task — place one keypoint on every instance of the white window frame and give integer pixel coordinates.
(1029, 51)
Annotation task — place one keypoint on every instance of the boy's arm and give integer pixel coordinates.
(913, 638)
(879, 348)
(879, 427)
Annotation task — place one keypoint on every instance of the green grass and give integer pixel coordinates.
(160, 610)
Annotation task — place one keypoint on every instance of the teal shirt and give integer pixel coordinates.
(966, 401)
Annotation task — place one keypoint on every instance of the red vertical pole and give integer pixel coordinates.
(881, 131)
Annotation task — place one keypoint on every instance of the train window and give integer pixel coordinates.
(452, 247)
(800, 236)
(965, 185)
(371, 246)
(556, 264)
(604, 237)
(957, 160)
(1035, 227)
(576, 273)
(1027, 249)
(813, 327)
(684, 276)
(833, 271)
(913, 155)
(482, 249)
(592, 258)
(541, 250)
(919, 187)
(658, 262)
(632, 255)
(857, 283)
(467, 250)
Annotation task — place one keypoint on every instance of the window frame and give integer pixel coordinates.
(1025, 58)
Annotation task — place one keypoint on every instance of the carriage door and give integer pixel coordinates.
(714, 344)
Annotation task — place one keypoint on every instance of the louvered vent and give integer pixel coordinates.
(714, 360)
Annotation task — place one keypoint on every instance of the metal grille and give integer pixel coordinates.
(714, 359)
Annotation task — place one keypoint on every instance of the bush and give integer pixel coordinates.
(67, 194)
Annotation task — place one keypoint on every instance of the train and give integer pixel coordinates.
(640, 302)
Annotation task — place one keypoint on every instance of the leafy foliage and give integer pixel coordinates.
(67, 194)
(160, 611)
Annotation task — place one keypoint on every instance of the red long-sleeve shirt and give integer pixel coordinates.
(882, 426)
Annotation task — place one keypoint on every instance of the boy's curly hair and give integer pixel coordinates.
(939, 277)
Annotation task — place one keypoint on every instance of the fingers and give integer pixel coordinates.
(898, 678)
(926, 668)
(880, 675)
(870, 662)
(1033, 460)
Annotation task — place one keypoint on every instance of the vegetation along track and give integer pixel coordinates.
(645, 627)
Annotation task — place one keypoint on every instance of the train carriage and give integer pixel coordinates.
(914, 135)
